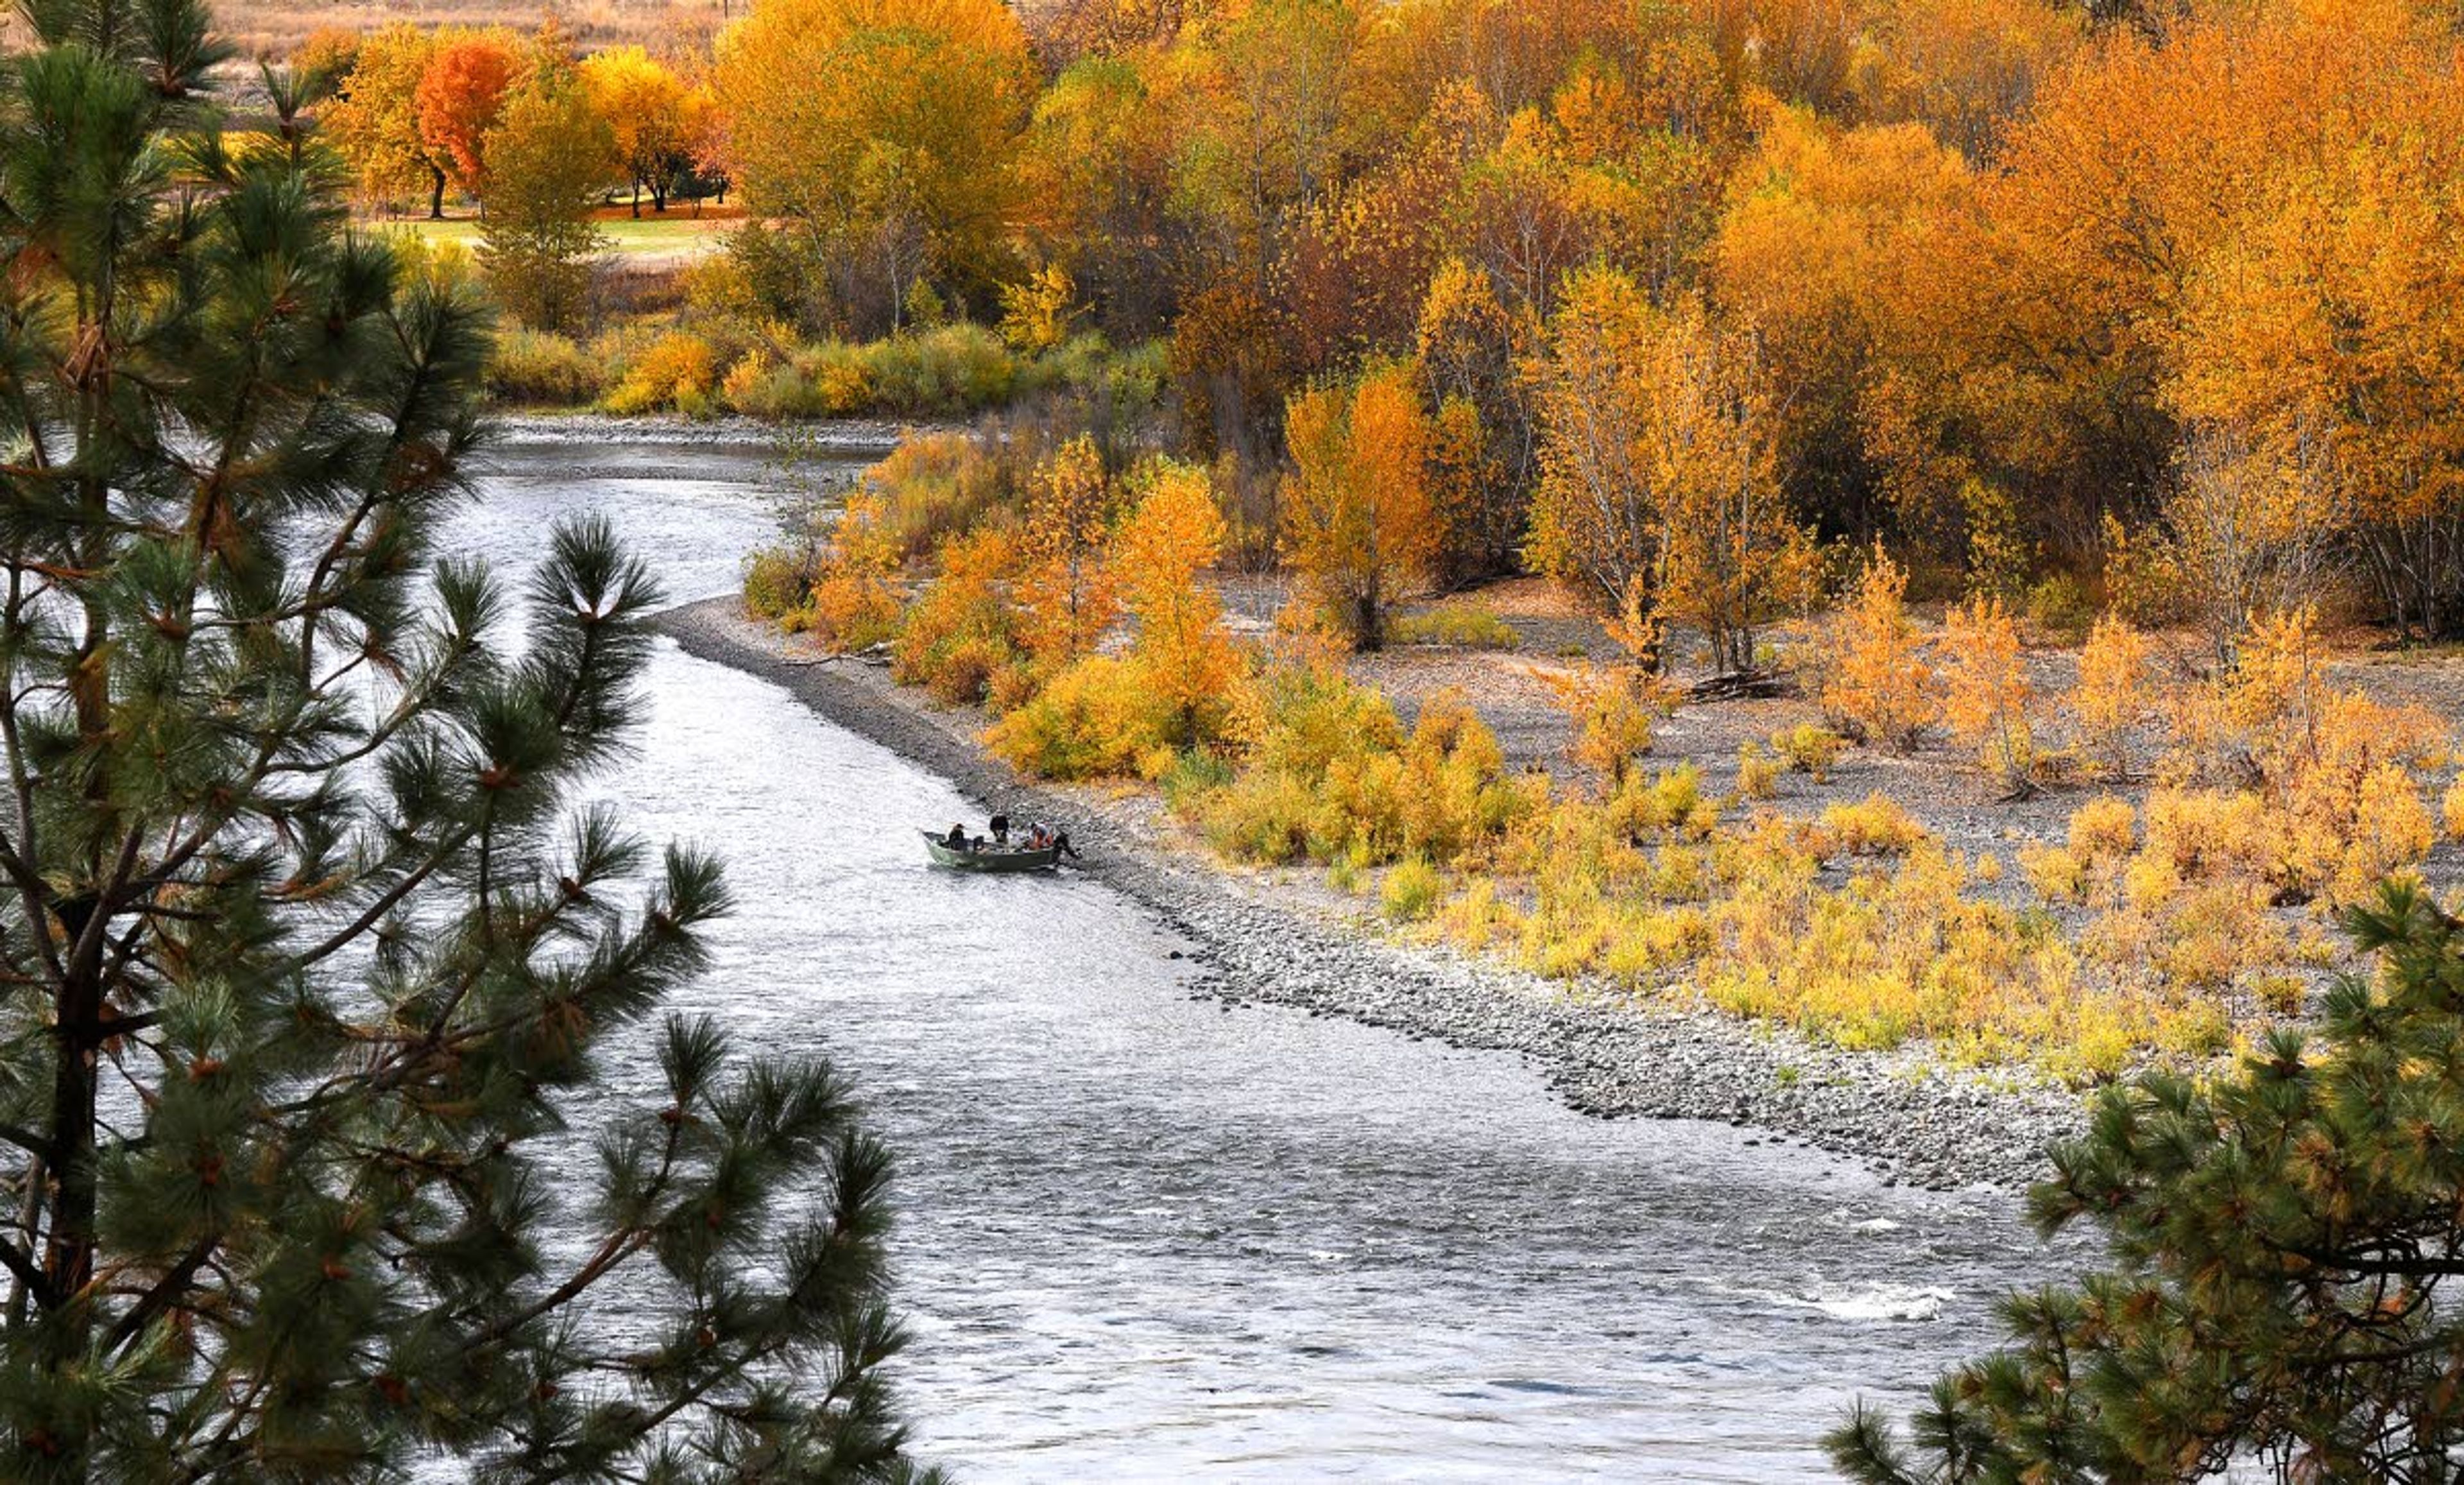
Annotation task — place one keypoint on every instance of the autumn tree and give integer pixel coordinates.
(1099, 195)
(1172, 537)
(649, 113)
(1876, 682)
(460, 94)
(2111, 692)
(374, 122)
(1068, 589)
(1816, 223)
(2248, 531)
(1470, 350)
(1359, 525)
(903, 164)
(1985, 691)
(1657, 488)
(547, 154)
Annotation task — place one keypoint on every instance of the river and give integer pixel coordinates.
(1142, 1237)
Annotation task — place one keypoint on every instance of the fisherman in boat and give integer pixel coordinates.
(957, 840)
(1001, 830)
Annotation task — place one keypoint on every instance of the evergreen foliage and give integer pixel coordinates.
(2281, 1240)
(304, 958)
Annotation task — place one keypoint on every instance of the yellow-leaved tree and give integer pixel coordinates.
(1066, 590)
(883, 134)
(2111, 692)
(1173, 536)
(650, 113)
(1986, 690)
(1657, 490)
(1361, 524)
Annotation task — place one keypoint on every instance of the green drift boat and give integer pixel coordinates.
(990, 857)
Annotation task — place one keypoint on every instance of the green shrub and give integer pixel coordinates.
(542, 368)
(1193, 777)
(1464, 626)
(779, 580)
(949, 368)
(2059, 606)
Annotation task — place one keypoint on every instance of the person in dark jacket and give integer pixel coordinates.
(957, 840)
(1001, 830)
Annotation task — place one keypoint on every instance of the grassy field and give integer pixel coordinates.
(273, 28)
(675, 237)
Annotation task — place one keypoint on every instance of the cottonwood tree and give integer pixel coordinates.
(1361, 524)
(374, 122)
(1657, 489)
(305, 961)
(1173, 536)
(904, 161)
(1068, 594)
(2282, 1238)
(649, 113)
(547, 157)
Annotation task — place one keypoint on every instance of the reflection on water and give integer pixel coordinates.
(1145, 1237)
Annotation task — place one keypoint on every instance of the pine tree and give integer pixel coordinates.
(2281, 1239)
(307, 962)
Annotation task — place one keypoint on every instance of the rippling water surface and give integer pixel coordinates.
(1142, 1237)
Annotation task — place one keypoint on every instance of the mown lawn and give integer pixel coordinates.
(680, 233)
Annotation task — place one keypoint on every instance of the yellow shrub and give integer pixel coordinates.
(1877, 825)
(2450, 809)
(1411, 890)
(2056, 873)
(1757, 772)
(1096, 718)
(1809, 747)
(2104, 828)
(675, 368)
(2111, 691)
(1878, 682)
(1985, 693)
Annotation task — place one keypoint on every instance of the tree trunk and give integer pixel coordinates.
(637, 198)
(436, 194)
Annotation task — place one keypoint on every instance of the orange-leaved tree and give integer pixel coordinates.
(1172, 537)
(1878, 684)
(1066, 589)
(460, 96)
(1359, 522)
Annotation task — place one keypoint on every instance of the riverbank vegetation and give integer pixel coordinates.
(2041, 397)
(2170, 839)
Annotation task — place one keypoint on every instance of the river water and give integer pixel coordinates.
(1142, 1237)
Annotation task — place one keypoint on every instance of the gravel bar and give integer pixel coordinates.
(1265, 937)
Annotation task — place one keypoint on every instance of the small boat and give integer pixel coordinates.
(990, 857)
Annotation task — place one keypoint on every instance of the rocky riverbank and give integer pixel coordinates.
(1267, 939)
